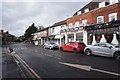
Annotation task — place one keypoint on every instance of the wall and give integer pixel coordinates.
(92, 15)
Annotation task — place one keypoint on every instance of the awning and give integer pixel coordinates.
(58, 36)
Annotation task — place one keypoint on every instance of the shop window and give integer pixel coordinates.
(79, 37)
(113, 1)
(112, 16)
(100, 19)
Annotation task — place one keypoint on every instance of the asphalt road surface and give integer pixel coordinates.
(56, 64)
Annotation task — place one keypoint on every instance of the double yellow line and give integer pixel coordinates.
(35, 75)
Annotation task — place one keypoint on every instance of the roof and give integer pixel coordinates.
(59, 23)
(91, 5)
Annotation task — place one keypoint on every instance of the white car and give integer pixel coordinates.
(51, 45)
(103, 49)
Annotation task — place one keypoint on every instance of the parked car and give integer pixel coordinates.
(75, 47)
(51, 45)
(103, 49)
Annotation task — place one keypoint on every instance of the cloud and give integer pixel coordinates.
(18, 16)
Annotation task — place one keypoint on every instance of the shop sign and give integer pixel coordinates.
(71, 29)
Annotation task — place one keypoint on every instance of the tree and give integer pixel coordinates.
(30, 30)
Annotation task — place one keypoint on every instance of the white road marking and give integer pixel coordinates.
(25, 64)
(88, 68)
(84, 67)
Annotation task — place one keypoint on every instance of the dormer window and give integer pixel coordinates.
(100, 19)
(102, 4)
(112, 16)
(78, 13)
(86, 10)
(113, 1)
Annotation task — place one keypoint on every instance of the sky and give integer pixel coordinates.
(17, 16)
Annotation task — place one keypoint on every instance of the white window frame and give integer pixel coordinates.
(113, 1)
(113, 14)
(77, 24)
(102, 4)
(84, 22)
(102, 19)
(78, 13)
(70, 25)
(86, 10)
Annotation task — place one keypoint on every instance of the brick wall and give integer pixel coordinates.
(91, 16)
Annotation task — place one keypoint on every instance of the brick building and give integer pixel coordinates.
(106, 12)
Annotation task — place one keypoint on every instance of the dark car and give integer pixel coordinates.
(75, 47)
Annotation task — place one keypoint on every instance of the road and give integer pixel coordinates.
(56, 64)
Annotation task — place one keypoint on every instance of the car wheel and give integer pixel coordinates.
(61, 49)
(88, 52)
(50, 48)
(75, 51)
(117, 55)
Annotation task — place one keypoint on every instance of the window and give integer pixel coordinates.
(112, 16)
(78, 13)
(53, 30)
(84, 22)
(76, 24)
(102, 4)
(100, 19)
(113, 1)
(70, 25)
(86, 10)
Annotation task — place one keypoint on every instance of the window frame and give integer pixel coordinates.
(102, 17)
(112, 14)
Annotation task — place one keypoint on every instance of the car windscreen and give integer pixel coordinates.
(117, 46)
(52, 43)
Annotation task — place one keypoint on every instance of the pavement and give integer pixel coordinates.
(10, 69)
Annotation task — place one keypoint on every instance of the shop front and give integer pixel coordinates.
(73, 35)
(104, 33)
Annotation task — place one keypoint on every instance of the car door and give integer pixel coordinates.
(66, 47)
(95, 49)
(104, 50)
(70, 46)
(107, 50)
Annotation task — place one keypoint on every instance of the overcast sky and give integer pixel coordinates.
(18, 16)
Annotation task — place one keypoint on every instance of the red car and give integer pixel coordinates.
(75, 47)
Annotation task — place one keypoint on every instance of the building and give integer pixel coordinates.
(91, 15)
(54, 32)
(6, 37)
(95, 22)
(39, 38)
